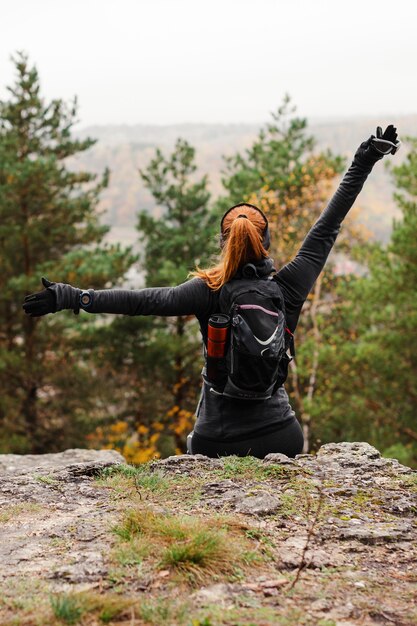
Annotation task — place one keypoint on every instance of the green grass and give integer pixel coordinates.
(197, 548)
(290, 504)
(213, 615)
(240, 466)
(163, 611)
(66, 608)
(136, 478)
(409, 481)
(131, 552)
(200, 549)
(71, 608)
(89, 607)
(15, 511)
(266, 544)
(48, 480)
(130, 527)
(114, 470)
(249, 467)
(112, 607)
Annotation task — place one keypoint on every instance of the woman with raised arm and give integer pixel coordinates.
(245, 410)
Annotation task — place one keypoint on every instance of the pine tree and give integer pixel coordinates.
(184, 234)
(370, 369)
(282, 173)
(49, 225)
(159, 359)
(180, 239)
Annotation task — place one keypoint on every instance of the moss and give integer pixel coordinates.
(251, 468)
(409, 482)
(17, 511)
(47, 480)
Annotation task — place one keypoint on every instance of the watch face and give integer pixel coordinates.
(85, 299)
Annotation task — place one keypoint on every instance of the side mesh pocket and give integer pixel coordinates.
(216, 370)
(253, 373)
(283, 369)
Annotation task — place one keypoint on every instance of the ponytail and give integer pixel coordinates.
(242, 244)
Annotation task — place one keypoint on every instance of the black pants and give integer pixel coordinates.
(288, 440)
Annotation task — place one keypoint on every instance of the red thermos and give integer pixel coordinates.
(218, 329)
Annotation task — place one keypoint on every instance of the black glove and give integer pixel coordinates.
(374, 148)
(387, 142)
(42, 302)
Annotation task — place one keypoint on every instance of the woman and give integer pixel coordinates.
(227, 425)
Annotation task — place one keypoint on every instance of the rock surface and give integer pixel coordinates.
(49, 501)
(354, 468)
(367, 528)
(345, 510)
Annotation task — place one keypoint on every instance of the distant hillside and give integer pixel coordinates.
(125, 149)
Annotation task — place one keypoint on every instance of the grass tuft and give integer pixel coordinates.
(47, 480)
(240, 466)
(202, 549)
(197, 547)
(66, 608)
(249, 467)
(131, 526)
(131, 553)
(114, 470)
(141, 477)
(163, 611)
(13, 511)
(112, 608)
(71, 608)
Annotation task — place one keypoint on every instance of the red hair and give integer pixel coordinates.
(242, 244)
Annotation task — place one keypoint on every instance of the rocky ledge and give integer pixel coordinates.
(337, 533)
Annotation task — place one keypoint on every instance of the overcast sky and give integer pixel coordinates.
(173, 61)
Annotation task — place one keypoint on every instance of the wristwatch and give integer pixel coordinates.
(86, 298)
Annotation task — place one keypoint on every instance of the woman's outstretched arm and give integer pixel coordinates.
(189, 298)
(298, 277)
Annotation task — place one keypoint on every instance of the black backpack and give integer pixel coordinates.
(256, 362)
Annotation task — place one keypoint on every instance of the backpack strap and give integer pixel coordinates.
(289, 341)
(289, 335)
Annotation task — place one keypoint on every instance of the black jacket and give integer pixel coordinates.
(219, 417)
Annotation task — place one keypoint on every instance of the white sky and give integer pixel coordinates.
(173, 61)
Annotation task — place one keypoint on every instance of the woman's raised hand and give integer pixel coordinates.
(386, 142)
(41, 302)
(379, 145)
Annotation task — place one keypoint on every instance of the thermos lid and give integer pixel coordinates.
(219, 320)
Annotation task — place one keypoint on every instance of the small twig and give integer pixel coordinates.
(137, 487)
(310, 533)
(387, 617)
(132, 621)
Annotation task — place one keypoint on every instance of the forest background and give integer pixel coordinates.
(140, 206)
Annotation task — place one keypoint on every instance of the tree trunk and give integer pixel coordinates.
(304, 400)
(314, 365)
(179, 380)
(29, 405)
